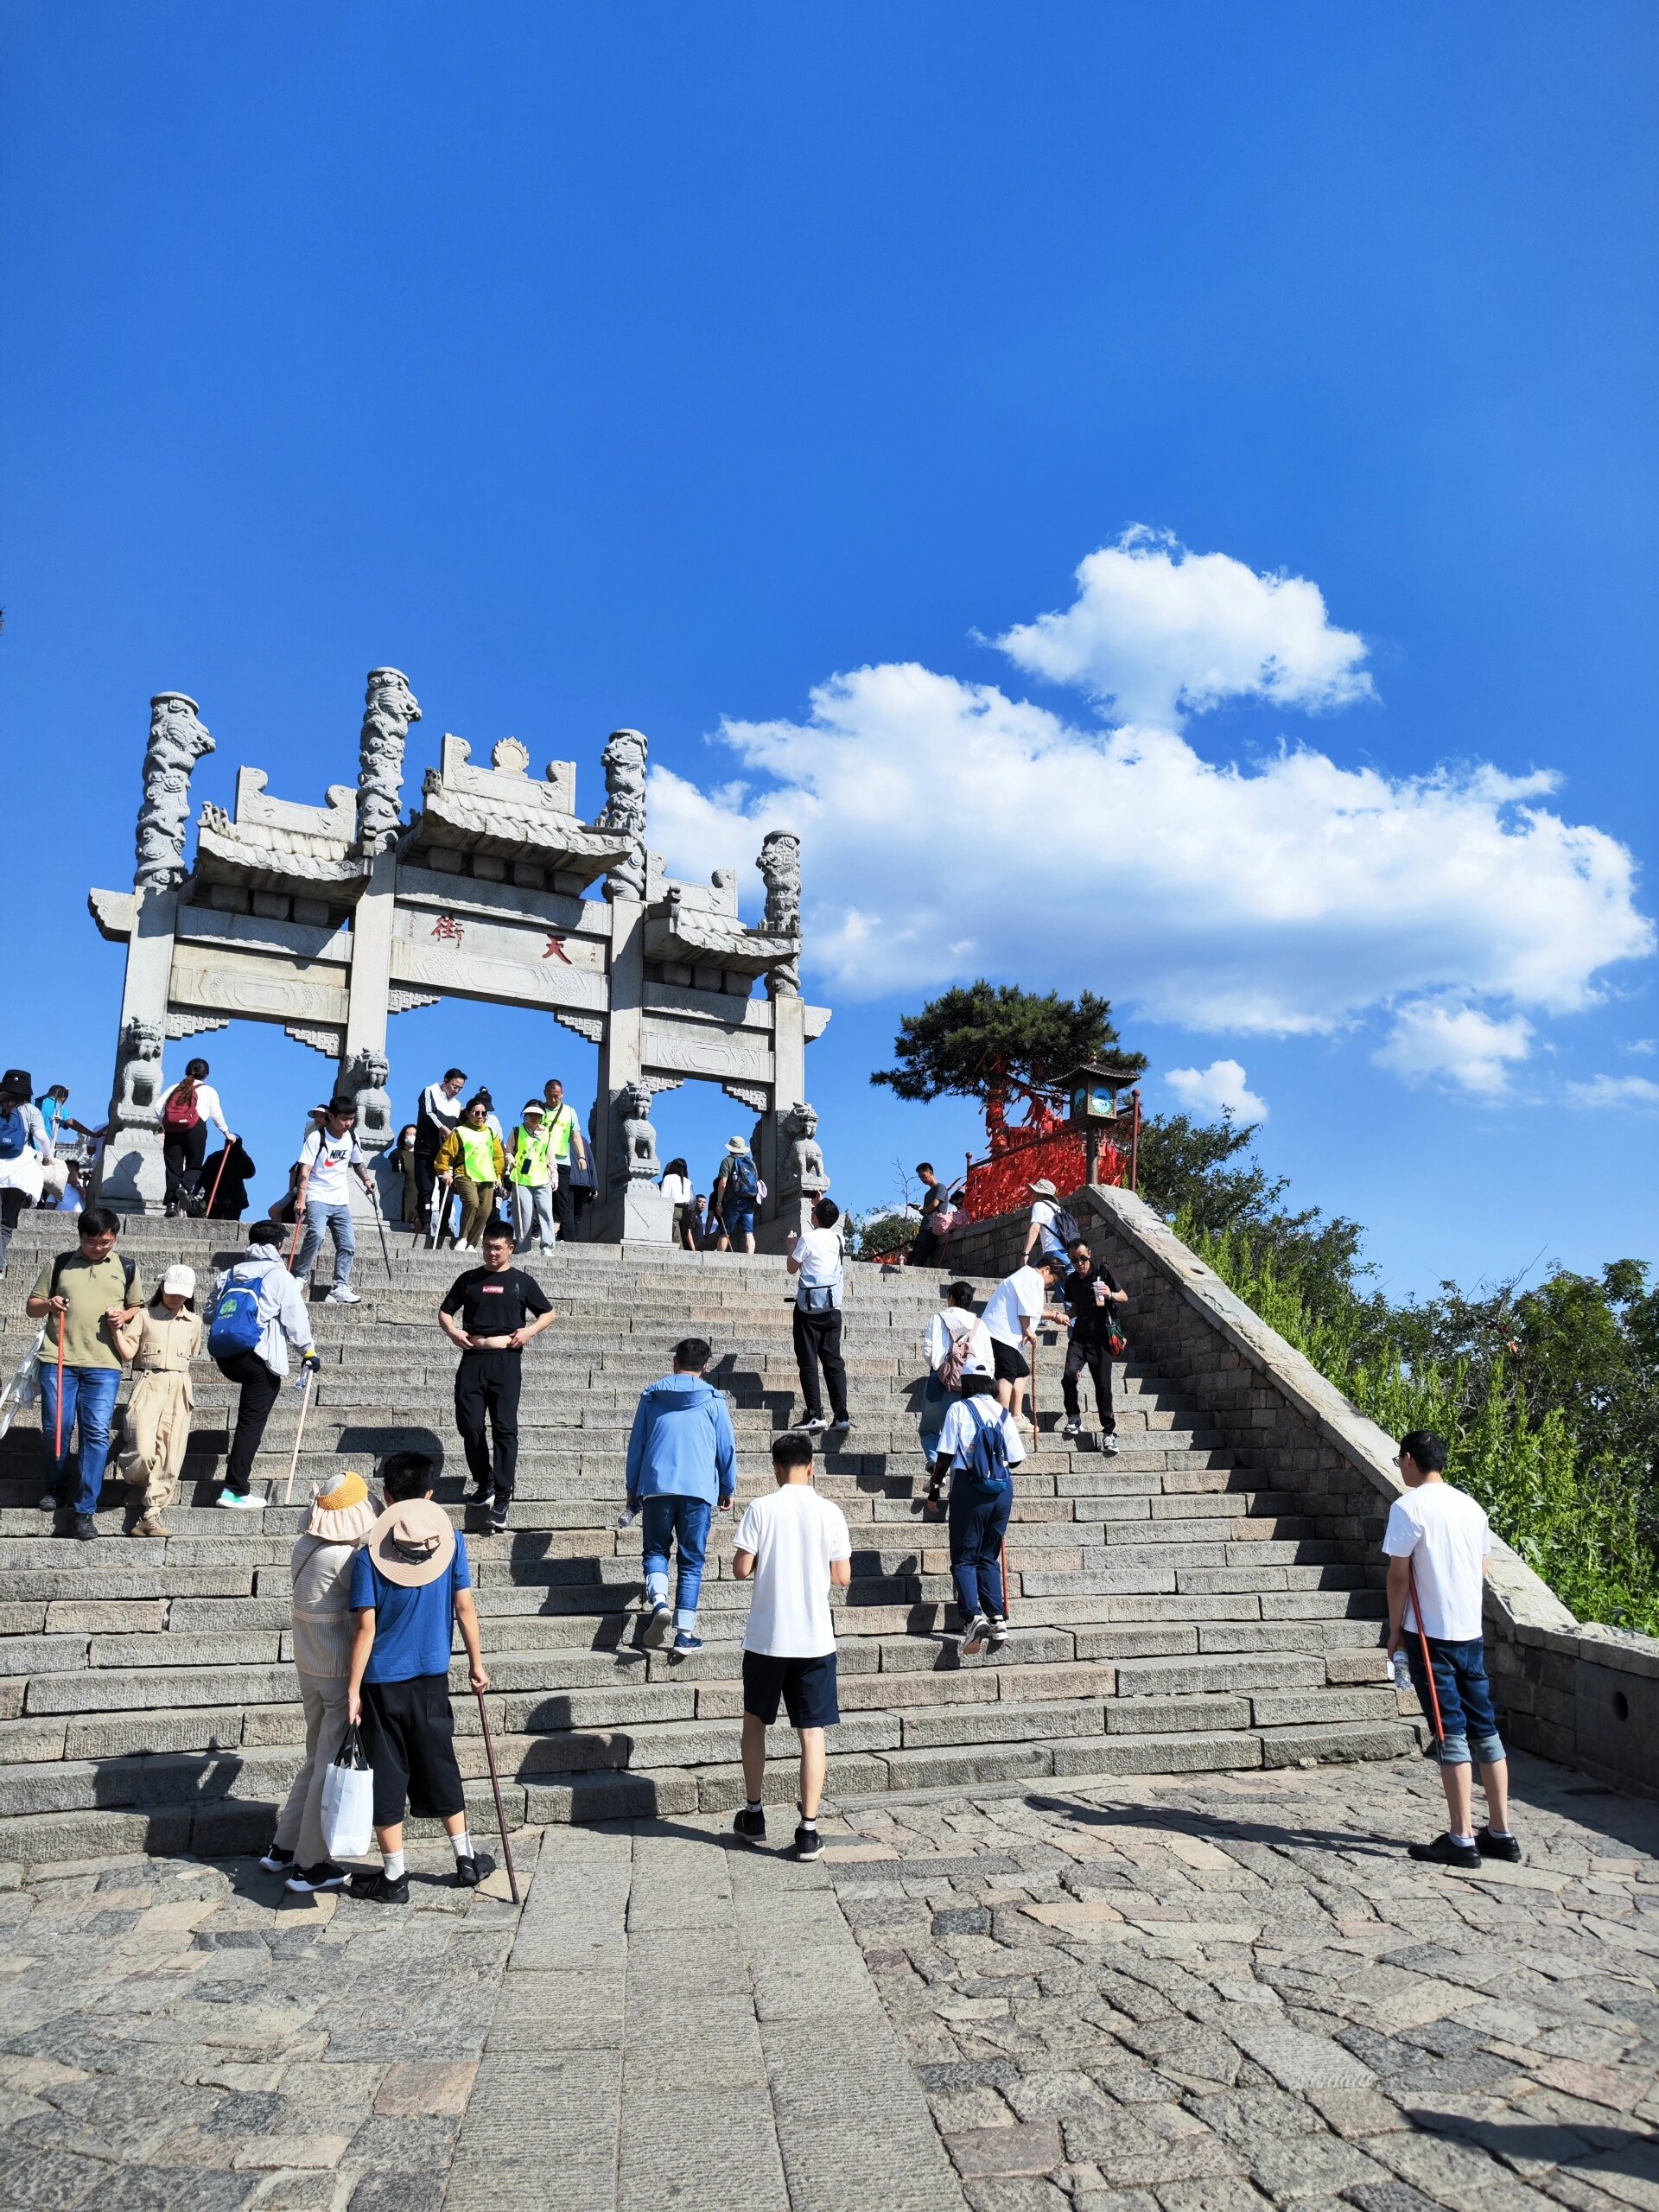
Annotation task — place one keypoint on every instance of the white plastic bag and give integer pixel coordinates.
(348, 1801)
(25, 1388)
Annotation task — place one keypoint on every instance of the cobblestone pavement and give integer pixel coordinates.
(1207, 1992)
(1192, 1994)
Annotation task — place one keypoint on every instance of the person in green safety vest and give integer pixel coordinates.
(472, 1157)
(569, 1147)
(530, 1173)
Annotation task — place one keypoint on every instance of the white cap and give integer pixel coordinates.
(179, 1281)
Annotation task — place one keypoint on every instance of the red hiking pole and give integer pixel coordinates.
(57, 1444)
(495, 1785)
(293, 1242)
(1428, 1670)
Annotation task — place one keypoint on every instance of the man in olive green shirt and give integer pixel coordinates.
(82, 1297)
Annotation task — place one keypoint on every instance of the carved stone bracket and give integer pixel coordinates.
(590, 1025)
(192, 1025)
(401, 1000)
(328, 1042)
(755, 1096)
(657, 1085)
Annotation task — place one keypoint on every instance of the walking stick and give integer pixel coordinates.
(1429, 1671)
(293, 1241)
(299, 1439)
(495, 1785)
(224, 1160)
(57, 1442)
(1036, 1421)
(380, 1220)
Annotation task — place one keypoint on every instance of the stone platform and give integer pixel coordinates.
(1209, 1994)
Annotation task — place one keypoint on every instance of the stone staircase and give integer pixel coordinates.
(1172, 1609)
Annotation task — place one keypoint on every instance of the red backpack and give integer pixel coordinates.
(180, 1112)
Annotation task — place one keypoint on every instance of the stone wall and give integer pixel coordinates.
(1582, 1694)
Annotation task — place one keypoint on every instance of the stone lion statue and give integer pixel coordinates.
(804, 1172)
(640, 1159)
(137, 1075)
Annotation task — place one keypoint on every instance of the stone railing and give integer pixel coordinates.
(1581, 1693)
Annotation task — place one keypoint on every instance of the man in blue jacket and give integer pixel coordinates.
(682, 1463)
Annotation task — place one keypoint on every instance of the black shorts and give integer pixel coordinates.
(409, 1739)
(806, 1686)
(1008, 1364)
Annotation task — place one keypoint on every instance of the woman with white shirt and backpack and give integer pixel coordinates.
(959, 1344)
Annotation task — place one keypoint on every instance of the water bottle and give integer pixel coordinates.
(1402, 1670)
(626, 1520)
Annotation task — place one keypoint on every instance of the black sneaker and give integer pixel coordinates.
(306, 1879)
(751, 1825)
(1443, 1852)
(377, 1888)
(276, 1861)
(469, 1872)
(498, 1519)
(50, 1502)
(842, 1426)
(814, 1425)
(480, 1494)
(1497, 1847)
(808, 1844)
(86, 1528)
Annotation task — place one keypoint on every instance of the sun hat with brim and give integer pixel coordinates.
(532, 1106)
(179, 1281)
(412, 1542)
(343, 1515)
(1044, 1188)
(735, 1144)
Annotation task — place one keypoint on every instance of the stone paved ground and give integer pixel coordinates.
(1179, 1995)
(1206, 1992)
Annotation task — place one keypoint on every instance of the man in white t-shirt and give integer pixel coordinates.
(795, 1545)
(817, 1258)
(1013, 1312)
(1439, 1545)
(328, 1159)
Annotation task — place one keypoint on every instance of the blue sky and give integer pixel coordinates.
(661, 367)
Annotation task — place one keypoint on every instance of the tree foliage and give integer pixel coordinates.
(981, 1040)
(1549, 1397)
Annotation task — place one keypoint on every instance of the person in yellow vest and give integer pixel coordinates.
(569, 1150)
(472, 1158)
(160, 1342)
(530, 1172)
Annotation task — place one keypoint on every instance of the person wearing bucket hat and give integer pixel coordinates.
(160, 1343)
(735, 1198)
(411, 1586)
(25, 1148)
(531, 1177)
(340, 1517)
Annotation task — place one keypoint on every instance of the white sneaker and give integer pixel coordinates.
(1070, 1427)
(240, 1505)
(1108, 1445)
(343, 1295)
(973, 1635)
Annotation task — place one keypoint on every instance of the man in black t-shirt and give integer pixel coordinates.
(492, 1313)
(1093, 1295)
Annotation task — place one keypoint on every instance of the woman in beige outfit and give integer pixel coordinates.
(160, 1342)
(336, 1524)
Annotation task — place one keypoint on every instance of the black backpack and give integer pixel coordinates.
(1064, 1226)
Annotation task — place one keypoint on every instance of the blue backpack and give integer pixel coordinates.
(741, 1181)
(236, 1324)
(988, 1462)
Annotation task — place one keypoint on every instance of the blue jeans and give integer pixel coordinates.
(684, 1521)
(89, 1396)
(339, 1219)
(1465, 1698)
(979, 1521)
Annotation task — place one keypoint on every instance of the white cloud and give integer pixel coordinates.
(1458, 1043)
(949, 831)
(1218, 1089)
(1155, 630)
(1644, 1047)
(1635, 1090)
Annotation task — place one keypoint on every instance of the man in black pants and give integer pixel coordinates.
(1092, 1296)
(817, 1257)
(492, 1313)
(258, 1312)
